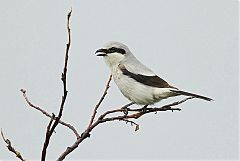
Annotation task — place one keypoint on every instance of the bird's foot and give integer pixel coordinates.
(144, 109)
(125, 110)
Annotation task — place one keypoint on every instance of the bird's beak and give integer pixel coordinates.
(102, 52)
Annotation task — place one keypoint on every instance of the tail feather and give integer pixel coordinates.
(191, 94)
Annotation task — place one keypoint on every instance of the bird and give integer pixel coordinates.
(137, 83)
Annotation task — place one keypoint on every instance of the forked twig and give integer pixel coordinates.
(24, 92)
(53, 125)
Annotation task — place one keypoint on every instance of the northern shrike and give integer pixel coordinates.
(136, 81)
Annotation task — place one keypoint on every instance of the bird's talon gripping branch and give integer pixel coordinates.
(125, 110)
(167, 108)
(144, 109)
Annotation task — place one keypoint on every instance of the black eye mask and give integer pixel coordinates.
(116, 50)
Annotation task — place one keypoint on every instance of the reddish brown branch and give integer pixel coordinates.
(11, 148)
(24, 92)
(86, 133)
(68, 150)
(99, 102)
(47, 138)
(122, 109)
(52, 127)
(126, 116)
(168, 107)
(136, 113)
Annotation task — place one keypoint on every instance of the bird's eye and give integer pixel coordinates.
(116, 50)
(112, 49)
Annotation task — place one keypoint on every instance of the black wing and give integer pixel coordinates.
(153, 81)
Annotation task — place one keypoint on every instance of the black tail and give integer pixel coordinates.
(192, 94)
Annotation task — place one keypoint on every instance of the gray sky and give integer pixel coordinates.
(191, 44)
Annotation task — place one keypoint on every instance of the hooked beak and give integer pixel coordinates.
(103, 52)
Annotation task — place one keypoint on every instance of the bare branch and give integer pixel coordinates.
(64, 80)
(168, 107)
(47, 138)
(86, 133)
(122, 109)
(131, 123)
(136, 113)
(11, 148)
(125, 117)
(99, 102)
(24, 92)
(68, 150)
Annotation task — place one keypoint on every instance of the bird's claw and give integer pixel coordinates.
(125, 110)
(144, 109)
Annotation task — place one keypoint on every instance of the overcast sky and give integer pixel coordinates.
(193, 44)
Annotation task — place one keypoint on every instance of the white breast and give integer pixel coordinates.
(133, 90)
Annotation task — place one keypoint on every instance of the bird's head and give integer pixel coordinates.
(113, 53)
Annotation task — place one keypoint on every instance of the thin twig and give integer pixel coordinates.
(131, 123)
(100, 101)
(11, 148)
(65, 92)
(24, 92)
